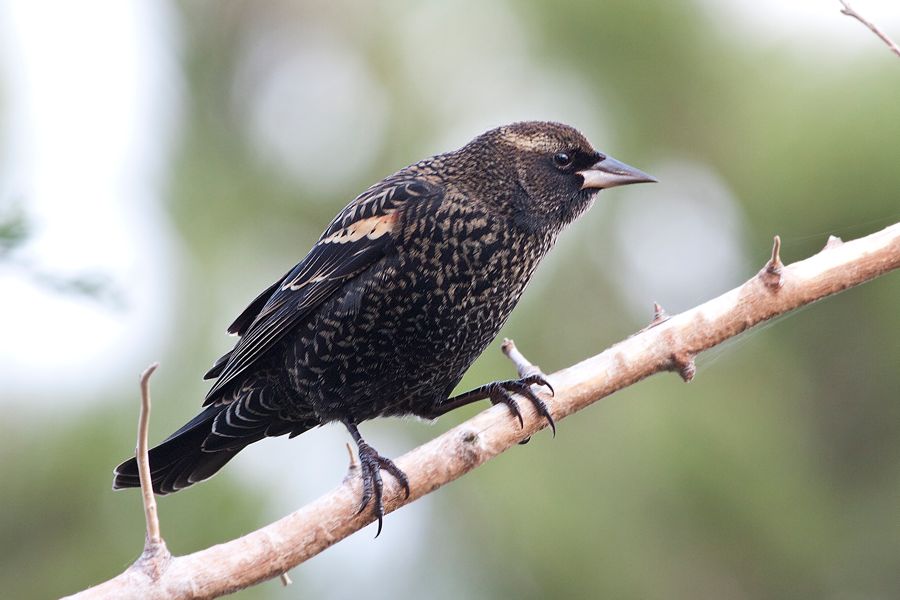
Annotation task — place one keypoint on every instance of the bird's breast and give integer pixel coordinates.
(400, 337)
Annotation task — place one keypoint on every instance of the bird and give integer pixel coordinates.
(404, 289)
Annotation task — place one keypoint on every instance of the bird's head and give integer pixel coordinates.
(547, 173)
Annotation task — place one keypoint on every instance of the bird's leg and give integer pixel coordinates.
(500, 392)
(371, 464)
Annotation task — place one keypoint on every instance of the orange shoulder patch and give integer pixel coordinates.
(371, 228)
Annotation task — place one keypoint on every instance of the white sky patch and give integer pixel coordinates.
(90, 96)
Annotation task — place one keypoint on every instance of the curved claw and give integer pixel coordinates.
(367, 488)
(498, 394)
(544, 411)
(371, 465)
(389, 466)
(538, 379)
(523, 386)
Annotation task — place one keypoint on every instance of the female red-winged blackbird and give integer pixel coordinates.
(403, 291)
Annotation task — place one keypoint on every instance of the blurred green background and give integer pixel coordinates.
(775, 474)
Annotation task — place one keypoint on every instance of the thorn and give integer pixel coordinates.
(683, 363)
(833, 242)
(286, 579)
(658, 311)
(772, 275)
(659, 315)
(353, 466)
(353, 463)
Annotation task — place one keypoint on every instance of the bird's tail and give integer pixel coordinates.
(180, 460)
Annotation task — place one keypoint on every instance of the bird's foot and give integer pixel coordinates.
(500, 392)
(371, 464)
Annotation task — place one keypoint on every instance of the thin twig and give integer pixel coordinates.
(143, 460)
(279, 546)
(155, 558)
(851, 12)
(523, 366)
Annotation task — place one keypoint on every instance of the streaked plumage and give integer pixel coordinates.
(404, 289)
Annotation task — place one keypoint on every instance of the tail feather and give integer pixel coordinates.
(208, 441)
(180, 460)
(256, 415)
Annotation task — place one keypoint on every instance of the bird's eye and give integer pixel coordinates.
(562, 159)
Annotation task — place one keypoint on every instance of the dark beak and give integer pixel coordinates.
(609, 173)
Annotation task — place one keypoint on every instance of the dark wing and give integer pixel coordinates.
(357, 238)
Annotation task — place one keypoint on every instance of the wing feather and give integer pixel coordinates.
(356, 239)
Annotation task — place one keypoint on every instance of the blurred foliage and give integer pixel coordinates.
(775, 474)
(13, 229)
(16, 231)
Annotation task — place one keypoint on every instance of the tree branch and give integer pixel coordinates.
(851, 12)
(667, 344)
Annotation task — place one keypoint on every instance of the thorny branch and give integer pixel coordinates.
(669, 344)
(851, 12)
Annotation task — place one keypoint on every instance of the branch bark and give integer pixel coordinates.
(667, 344)
(851, 12)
